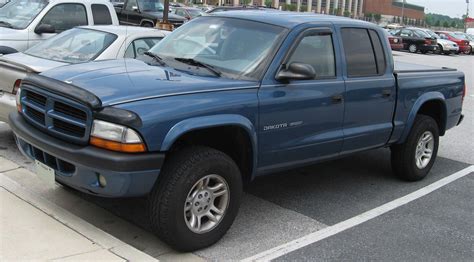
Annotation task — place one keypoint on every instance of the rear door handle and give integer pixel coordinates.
(337, 98)
(386, 93)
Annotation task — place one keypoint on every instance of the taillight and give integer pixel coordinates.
(427, 42)
(16, 86)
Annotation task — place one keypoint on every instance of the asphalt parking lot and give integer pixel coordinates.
(317, 205)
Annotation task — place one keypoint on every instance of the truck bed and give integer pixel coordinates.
(402, 67)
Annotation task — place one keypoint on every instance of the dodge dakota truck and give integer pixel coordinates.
(227, 98)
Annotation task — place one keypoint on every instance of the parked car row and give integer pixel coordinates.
(425, 40)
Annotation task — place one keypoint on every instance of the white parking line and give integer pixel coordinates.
(357, 220)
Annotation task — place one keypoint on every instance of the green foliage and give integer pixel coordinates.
(378, 17)
(290, 7)
(347, 13)
(303, 8)
(268, 3)
(245, 2)
(443, 20)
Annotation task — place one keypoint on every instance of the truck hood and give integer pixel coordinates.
(128, 80)
(30, 63)
(9, 34)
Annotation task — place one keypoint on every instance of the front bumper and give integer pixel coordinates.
(7, 105)
(80, 166)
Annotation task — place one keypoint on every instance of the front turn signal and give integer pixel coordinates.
(117, 146)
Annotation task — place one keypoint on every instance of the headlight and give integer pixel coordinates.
(116, 137)
(17, 98)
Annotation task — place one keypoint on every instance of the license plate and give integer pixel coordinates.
(44, 172)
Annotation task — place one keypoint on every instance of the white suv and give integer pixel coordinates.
(24, 23)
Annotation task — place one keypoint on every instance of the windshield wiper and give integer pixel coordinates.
(191, 61)
(156, 57)
(6, 24)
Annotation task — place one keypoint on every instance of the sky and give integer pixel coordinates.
(453, 8)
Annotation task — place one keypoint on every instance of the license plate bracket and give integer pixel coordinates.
(45, 172)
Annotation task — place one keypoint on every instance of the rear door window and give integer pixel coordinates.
(360, 55)
(101, 14)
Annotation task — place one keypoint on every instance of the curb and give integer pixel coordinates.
(92, 233)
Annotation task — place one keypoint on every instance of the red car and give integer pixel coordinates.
(463, 44)
(396, 43)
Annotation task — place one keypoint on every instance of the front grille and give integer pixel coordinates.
(68, 128)
(56, 115)
(70, 111)
(36, 115)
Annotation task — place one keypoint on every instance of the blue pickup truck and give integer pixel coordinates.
(224, 99)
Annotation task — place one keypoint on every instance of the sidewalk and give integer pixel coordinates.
(32, 228)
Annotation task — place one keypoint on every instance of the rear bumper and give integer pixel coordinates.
(7, 105)
(429, 48)
(396, 46)
(80, 166)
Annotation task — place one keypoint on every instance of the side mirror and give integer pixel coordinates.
(135, 9)
(296, 71)
(45, 29)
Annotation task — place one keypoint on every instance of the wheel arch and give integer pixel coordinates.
(219, 126)
(432, 104)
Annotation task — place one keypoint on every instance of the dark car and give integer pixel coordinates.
(147, 13)
(240, 8)
(415, 40)
(188, 12)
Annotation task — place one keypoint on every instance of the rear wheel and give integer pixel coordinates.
(468, 51)
(413, 159)
(412, 48)
(196, 199)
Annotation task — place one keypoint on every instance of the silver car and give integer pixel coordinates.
(77, 45)
(445, 46)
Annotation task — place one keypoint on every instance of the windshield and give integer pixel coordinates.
(76, 45)
(239, 49)
(420, 33)
(150, 6)
(460, 36)
(432, 34)
(18, 14)
(195, 13)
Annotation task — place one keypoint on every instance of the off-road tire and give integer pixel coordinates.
(403, 155)
(181, 171)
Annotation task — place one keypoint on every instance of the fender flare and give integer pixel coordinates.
(427, 97)
(147, 21)
(196, 123)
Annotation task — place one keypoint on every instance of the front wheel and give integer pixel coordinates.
(468, 51)
(414, 159)
(196, 199)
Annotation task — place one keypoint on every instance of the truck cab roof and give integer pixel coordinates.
(288, 19)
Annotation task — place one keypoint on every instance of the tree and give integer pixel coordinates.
(347, 13)
(369, 16)
(438, 23)
(377, 18)
(303, 8)
(446, 24)
(268, 3)
(454, 24)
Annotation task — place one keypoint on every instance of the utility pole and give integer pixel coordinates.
(467, 17)
(403, 11)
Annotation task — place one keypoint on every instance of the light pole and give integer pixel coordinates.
(403, 11)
